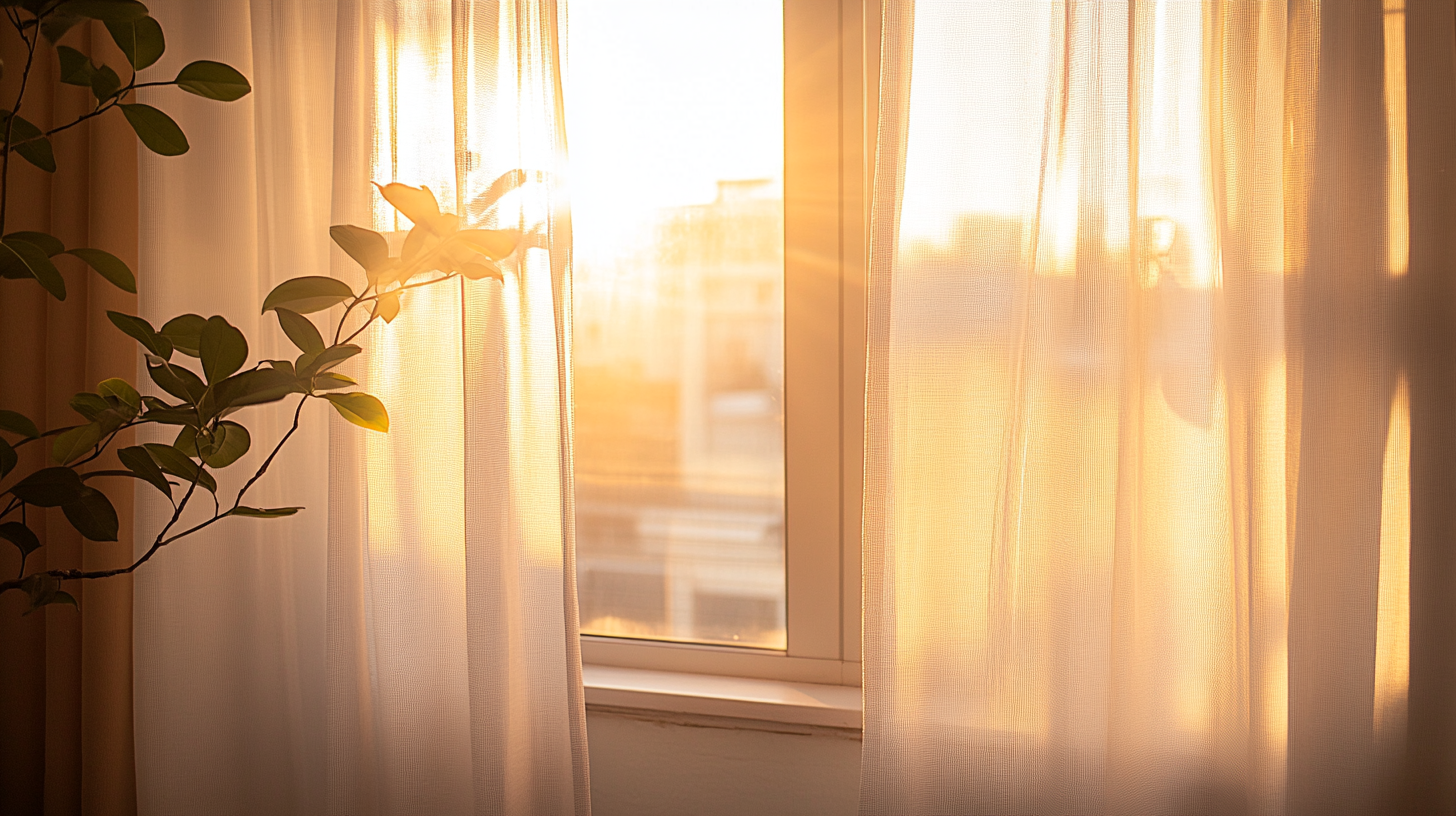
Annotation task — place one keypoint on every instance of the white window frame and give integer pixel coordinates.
(831, 93)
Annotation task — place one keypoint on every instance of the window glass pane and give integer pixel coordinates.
(675, 125)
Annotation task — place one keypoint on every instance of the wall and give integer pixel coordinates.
(645, 763)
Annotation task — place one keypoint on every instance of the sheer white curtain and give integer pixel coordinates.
(408, 644)
(1160, 405)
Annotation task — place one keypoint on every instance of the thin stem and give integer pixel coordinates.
(162, 538)
(10, 127)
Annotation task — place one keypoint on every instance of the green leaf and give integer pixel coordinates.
(107, 266)
(414, 242)
(76, 68)
(252, 388)
(75, 443)
(43, 589)
(29, 142)
(362, 409)
(308, 294)
(157, 131)
(260, 512)
(34, 259)
(49, 244)
(89, 405)
(92, 515)
(387, 306)
(138, 461)
(213, 80)
(18, 423)
(300, 330)
(185, 332)
(178, 381)
(8, 458)
(142, 331)
(140, 40)
(56, 24)
(311, 364)
(122, 390)
(229, 442)
(367, 247)
(331, 380)
(104, 83)
(175, 462)
(49, 487)
(105, 10)
(223, 349)
(21, 536)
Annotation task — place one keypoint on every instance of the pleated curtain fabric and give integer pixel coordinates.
(408, 643)
(1162, 410)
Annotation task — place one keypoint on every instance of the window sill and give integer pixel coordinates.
(739, 698)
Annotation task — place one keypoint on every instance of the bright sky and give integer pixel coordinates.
(663, 99)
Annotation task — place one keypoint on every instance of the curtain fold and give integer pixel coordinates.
(408, 643)
(65, 683)
(1159, 409)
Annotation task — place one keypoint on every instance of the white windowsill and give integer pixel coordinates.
(718, 696)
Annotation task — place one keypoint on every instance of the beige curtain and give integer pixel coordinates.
(1162, 409)
(407, 644)
(65, 675)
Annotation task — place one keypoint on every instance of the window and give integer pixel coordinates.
(720, 185)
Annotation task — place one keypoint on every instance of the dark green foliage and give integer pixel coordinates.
(198, 366)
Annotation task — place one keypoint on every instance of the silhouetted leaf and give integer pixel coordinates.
(331, 380)
(415, 244)
(300, 330)
(157, 131)
(493, 244)
(76, 68)
(307, 295)
(104, 83)
(173, 461)
(311, 364)
(476, 270)
(88, 405)
(415, 203)
(138, 461)
(185, 332)
(49, 244)
(49, 487)
(259, 512)
(387, 306)
(122, 390)
(142, 331)
(213, 80)
(43, 589)
(361, 409)
(366, 247)
(140, 40)
(229, 442)
(224, 349)
(92, 515)
(75, 443)
(18, 423)
(21, 536)
(104, 10)
(8, 458)
(29, 142)
(34, 260)
(254, 387)
(107, 266)
(56, 24)
(178, 381)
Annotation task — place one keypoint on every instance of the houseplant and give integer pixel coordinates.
(201, 382)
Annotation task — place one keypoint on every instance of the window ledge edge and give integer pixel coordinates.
(740, 698)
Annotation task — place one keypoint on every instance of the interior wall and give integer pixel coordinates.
(644, 764)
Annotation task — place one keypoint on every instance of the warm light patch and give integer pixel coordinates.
(1397, 203)
(1392, 633)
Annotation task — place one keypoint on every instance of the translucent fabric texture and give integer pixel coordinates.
(408, 644)
(1160, 410)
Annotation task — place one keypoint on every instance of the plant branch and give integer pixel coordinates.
(10, 127)
(162, 538)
